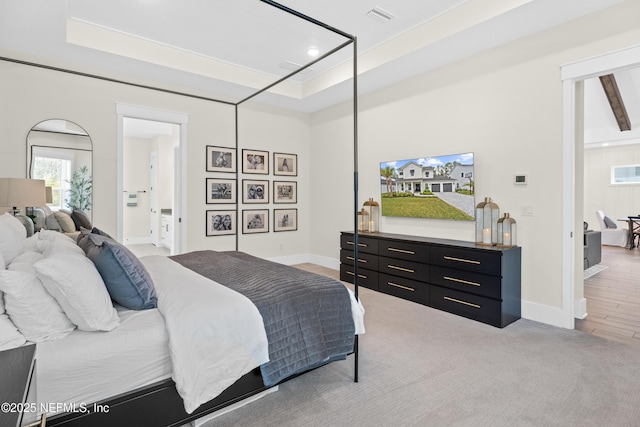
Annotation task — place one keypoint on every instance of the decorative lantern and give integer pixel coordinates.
(374, 214)
(363, 221)
(507, 231)
(487, 214)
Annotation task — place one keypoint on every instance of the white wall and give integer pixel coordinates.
(506, 107)
(136, 181)
(30, 95)
(616, 201)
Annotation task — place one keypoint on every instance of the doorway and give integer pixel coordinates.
(573, 76)
(151, 146)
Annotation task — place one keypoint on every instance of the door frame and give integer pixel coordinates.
(572, 76)
(179, 207)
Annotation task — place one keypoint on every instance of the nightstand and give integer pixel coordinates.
(15, 378)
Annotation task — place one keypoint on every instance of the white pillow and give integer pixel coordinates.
(75, 283)
(48, 247)
(25, 261)
(1, 303)
(2, 263)
(65, 221)
(55, 236)
(12, 233)
(9, 335)
(31, 308)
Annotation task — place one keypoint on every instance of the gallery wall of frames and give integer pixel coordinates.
(252, 192)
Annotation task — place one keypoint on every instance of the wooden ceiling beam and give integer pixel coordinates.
(615, 101)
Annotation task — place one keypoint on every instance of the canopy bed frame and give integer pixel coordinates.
(160, 403)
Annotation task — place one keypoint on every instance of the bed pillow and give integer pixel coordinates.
(48, 247)
(81, 219)
(25, 261)
(10, 337)
(66, 223)
(126, 278)
(12, 234)
(31, 308)
(2, 263)
(609, 223)
(52, 223)
(75, 283)
(96, 230)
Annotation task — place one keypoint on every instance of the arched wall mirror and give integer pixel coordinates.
(61, 153)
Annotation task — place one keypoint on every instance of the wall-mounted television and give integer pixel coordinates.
(441, 187)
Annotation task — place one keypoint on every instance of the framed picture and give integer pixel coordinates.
(221, 159)
(254, 161)
(220, 223)
(255, 191)
(255, 221)
(285, 192)
(220, 190)
(285, 164)
(285, 219)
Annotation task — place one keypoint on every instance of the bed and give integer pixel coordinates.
(201, 330)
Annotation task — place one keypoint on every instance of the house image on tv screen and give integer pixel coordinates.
(429, 187)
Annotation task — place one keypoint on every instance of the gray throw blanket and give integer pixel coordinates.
(307, 317)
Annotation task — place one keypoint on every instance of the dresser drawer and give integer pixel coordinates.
(364, 260)
(409, 269)
(463, 304)
(479, 261)
(467, 281)
(404, 288)
(404, 250)
(365, 244)
(366, 278)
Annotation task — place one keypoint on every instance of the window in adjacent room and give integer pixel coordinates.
(629, 174)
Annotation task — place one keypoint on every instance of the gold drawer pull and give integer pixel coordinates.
(359, 259)
(400, 268)
(359, 275)
(400, 286)
(359, 244)
(466, 282)
(450, 258)
(462, 302)
(402, 251)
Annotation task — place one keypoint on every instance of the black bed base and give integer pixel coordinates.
(157, 405)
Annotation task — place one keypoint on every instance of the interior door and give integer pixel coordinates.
(153, 199)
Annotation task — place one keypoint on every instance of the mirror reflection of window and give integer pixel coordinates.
(56, 174)
(56, 149)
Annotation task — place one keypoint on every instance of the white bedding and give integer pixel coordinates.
(216, 335)
(104, 364)
(203, 335)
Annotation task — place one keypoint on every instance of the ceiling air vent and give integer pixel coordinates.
(292, 66)
(380, 15)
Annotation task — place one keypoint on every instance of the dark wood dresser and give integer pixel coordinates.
(474, 281)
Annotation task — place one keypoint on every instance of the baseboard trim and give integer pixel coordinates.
(580, 309)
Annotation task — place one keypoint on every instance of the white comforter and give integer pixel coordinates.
(216, 335)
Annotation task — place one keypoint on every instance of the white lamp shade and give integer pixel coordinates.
(21, 192)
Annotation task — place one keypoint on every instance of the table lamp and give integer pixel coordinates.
(21, 192)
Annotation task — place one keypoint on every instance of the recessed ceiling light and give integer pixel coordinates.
(313, 51)
(380, 15)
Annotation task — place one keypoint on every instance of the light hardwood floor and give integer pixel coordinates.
(613, 297)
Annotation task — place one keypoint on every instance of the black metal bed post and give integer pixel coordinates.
(237, 176)
(355, 193)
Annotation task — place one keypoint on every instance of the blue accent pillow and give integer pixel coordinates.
(127, 280)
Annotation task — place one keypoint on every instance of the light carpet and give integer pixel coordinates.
(592, 271)
(424, 367)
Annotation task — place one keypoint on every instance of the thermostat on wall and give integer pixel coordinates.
(520, 179)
